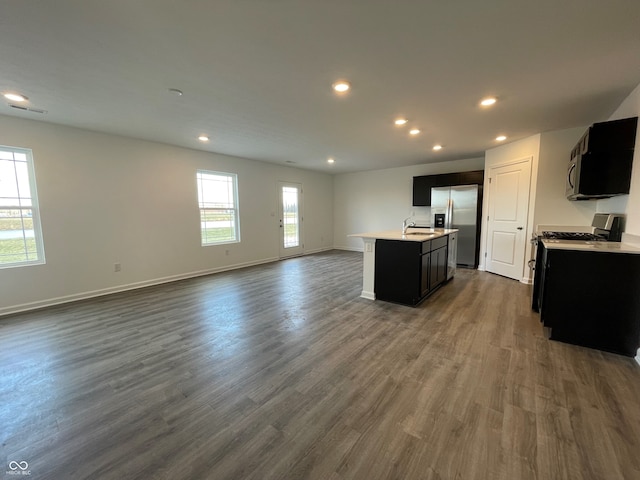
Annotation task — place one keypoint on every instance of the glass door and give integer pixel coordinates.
(290, 228)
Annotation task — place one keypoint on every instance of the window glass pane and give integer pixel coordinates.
(290, 220)
(13, 236)
(8, 184)
(217, 226)
(218, 209)
(22, 173)
(20, 235)
(216, 192)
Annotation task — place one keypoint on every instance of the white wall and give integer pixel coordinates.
(628, 204)
(380, 199)
(107, 199)
(551, 204)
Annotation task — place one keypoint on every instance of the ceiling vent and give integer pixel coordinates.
(26, 109)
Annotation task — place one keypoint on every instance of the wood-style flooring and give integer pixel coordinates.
(281, 371)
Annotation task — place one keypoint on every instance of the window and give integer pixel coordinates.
(20, 233)
(218, 200)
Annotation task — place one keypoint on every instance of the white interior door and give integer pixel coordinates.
(290, 219)
(508, 211)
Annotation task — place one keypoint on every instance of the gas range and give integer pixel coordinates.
(605, 227)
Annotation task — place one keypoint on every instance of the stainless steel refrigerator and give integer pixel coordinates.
(457, 207)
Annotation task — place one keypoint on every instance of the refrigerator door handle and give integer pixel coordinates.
(449, 214)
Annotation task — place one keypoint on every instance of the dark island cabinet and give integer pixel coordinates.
(407, 272)
(438, 272)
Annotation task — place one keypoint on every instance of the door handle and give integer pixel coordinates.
(571, 170)
(519, 228)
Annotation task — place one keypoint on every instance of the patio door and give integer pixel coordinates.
(290, 228)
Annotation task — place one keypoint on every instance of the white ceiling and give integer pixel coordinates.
(257, 74)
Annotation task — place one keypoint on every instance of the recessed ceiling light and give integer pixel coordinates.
(487, 102)
(414, 131)
(203, 138)
(15, 97)
(176, 92)
(331, 161)
(341, 86)
(501, 138)
(400, 121)
(437, 147)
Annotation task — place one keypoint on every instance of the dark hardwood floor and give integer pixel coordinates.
(282, 372)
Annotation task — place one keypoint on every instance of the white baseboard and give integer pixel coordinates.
(368, 295)
(349, 249)
(318, 250)
(638, 357)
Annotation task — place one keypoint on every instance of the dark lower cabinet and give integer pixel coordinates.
(425, 262)
(407, 272)
(590, 298)
(438, 273)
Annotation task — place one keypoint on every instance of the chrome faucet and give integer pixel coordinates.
(406, 225)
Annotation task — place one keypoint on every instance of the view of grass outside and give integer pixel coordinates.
(13, 246)
(217, 226)
(18, 250)
(291, 229)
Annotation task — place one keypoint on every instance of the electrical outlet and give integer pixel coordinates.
(117, 267)
(226, 252)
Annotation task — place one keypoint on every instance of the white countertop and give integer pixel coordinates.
(582, 245)
(412, 235)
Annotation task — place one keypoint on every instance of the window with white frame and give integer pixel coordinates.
(20, 232)
(218, 201)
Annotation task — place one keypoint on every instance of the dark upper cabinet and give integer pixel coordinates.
(422, 190)
(422, 185)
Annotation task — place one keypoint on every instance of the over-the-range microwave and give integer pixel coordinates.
(601, 162)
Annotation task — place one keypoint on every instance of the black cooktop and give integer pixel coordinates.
(574, 236)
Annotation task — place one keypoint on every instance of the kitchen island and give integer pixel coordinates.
(407, 267)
